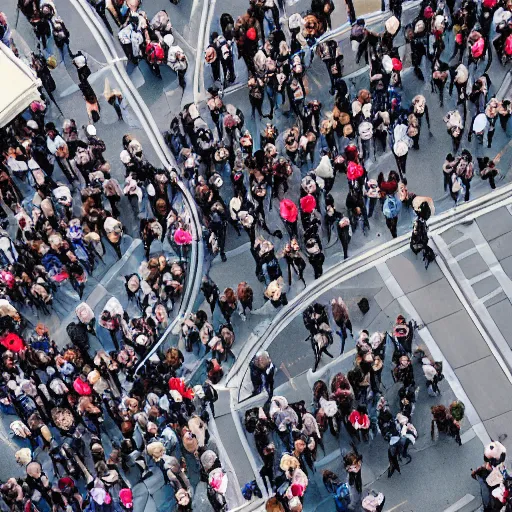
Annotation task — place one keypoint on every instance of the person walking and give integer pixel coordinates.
(341, 317)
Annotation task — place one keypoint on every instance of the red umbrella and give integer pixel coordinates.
(288, 210)
(251, 34)
(307, 203)
(177, 384)
(13, 342)
(397, 64)
(82, 387)
(354, 171)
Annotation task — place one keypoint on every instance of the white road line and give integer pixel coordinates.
(226, 461)
(489, 257)
(497, 345)
(466, 500)
(465, 254)
(438, 224)
(468, 435)
(434, 350)
(199, 51)
(491, 295)
(480, 277)
(459, 240)
(238, 425)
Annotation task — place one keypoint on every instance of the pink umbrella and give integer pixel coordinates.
(307, 203)
(182, 237)
(288, 210)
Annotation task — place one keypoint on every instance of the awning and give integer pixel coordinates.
(18, 87)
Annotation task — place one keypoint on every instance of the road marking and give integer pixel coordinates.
(434, 350)
(199, 51)
(461, 503)
(395, 507)
(288, 376)
(363, 262)
(476, 310)
(491, 295)
(468, 436)
(498, 157)
(465, 254)
(480, 277)
(458, 240)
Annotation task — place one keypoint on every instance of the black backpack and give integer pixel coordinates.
(78, 335)
(251, 420)
(428, 256)
(364, 305)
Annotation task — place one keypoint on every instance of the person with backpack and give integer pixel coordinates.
(60, 34)
(262, 372)
(131, 38)
(225, 56)
(330, 53)
(391, 210)
(338, 490)
(455, 128)
(176, 59)
(400, 143)
(59, 149)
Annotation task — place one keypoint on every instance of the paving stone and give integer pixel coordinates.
(384, 298)
(435, 301)
(461, 247)
(485, 286)
(473, 265)
(506, 264)
(495, 223)
(410, 272)
(498, 298)
(500, 425)
(501, 313)
(459, 339)
(450, 235)
(486, 386)
(502, 246)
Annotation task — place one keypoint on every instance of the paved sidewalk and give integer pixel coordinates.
(478, 256)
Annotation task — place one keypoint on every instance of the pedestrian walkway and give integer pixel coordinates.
(392, 287)
(478, 257)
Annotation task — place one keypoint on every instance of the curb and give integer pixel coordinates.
(104, 40)
(344, 268)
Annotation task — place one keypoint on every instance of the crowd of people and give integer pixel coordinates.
(354, 406)
(87, 424)
(60, 222)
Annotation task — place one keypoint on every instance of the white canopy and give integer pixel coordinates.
(18, 87)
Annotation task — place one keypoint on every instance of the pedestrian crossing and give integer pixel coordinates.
(478, 261)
